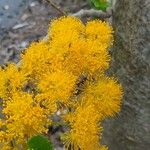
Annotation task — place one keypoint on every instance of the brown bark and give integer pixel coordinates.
(130, 130)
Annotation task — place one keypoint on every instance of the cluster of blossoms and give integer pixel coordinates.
(66, 73)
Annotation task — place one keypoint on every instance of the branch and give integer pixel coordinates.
(56, 7)
(92, 13)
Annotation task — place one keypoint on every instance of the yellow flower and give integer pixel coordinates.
(58, 85)
(24, 118)
(3, 81)
(105, 94)
(85, 130)
(16, 78)
(45, 101)
(48, 76)
(97, 57)
(63, 32)
(11, 79)
(68, 26)
(97, 30)
(77, 47)
(37, 60)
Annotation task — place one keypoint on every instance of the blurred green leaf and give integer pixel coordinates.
(100, 4)
(40, 142)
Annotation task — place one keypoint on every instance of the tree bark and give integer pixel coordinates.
(130, 130)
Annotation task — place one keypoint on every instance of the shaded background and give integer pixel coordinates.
(23, 21)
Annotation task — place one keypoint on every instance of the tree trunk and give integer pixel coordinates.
(131, 64)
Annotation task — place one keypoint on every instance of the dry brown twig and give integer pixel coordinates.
(56, 7)
(83, 12)
(93, 13)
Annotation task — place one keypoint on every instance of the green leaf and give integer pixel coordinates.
(39, 142)
(100, 4)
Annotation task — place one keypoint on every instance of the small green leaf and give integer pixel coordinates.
(39, 142)
(100, 4)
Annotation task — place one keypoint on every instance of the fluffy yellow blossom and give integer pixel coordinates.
(97, 57)
(24, 118)
(48, 76)
(45, 101)
(63, 32)
(58, 85)
(70, 27)
(77, 46)
(36, 60)
(16, 78)
(84, 132)
(3, 81)
(11, 79)
(105, 94)
(74, 60)
(100, 31)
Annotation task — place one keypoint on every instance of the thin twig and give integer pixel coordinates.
(56, 7)
(92, 13)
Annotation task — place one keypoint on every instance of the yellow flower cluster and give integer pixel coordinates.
(85, 129)
(48, 78)
(21, 115)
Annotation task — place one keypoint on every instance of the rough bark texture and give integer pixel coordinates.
(130, 130)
